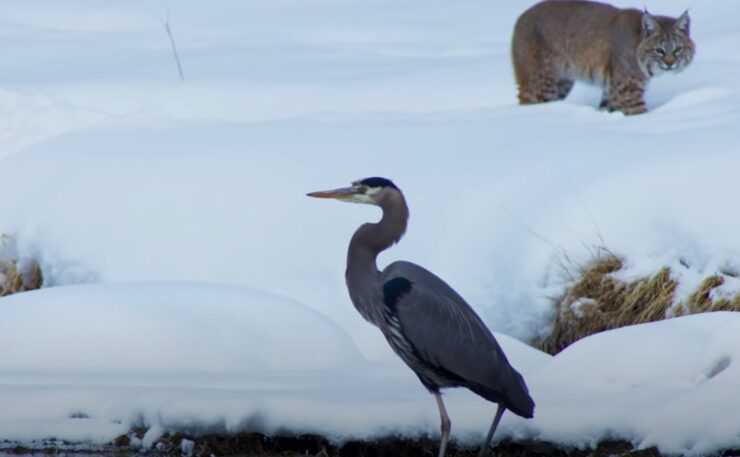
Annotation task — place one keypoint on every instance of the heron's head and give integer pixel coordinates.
(369, 190)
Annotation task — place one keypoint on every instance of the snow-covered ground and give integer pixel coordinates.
(204, 291)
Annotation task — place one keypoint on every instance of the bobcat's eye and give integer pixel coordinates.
(677, 49)
(660, 51)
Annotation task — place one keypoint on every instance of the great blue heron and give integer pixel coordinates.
(428, 325)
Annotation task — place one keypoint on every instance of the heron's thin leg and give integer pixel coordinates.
(446, 424)
(489, 437)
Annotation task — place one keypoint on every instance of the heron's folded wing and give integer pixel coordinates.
(442, 328)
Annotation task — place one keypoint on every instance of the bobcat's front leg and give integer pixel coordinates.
(604, 104)
(625, 95)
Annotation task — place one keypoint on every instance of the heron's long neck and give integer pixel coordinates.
(363, 277)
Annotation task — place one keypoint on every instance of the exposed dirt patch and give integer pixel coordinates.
(259, 445)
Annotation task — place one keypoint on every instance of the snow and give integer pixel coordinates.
(167, 326)
(195, 287)
(183, 356)
(646, 394)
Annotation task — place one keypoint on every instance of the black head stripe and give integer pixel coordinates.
(377, 182)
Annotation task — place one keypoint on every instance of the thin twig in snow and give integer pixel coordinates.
(166, 24)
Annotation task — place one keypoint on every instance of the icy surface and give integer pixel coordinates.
(205, 291)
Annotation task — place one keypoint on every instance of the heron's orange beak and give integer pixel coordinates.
(344, 193)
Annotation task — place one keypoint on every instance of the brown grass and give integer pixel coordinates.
(14, 279)
(597, 301)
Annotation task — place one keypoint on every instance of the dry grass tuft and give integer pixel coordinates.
(14, 279)
(700, 301)
(598, 301)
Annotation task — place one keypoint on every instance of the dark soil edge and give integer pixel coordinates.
(260, 445)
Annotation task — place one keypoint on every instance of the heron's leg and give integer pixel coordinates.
(489, 437)
(446, 424)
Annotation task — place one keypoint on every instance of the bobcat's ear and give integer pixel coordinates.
(649, 24)
(683, 22)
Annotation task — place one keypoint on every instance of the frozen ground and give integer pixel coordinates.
(117, 175)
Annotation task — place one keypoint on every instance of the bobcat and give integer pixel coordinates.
(558, 41)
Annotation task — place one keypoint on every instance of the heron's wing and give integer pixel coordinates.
(446, 333)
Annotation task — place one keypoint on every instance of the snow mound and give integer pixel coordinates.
(166, 326)
(667, 384)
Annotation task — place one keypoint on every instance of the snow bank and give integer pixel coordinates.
(88, 363)
(197, 358)
(668, 384)
(166, 327)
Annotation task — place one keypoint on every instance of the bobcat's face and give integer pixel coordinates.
(664, 47)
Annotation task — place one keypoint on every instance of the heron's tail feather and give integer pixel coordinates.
(518, 400)
(511, 393)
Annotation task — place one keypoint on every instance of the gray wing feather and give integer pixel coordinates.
(444, 329)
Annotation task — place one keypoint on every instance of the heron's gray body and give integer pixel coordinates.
(450, 345)
(427, 324)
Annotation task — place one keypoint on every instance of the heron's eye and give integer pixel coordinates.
(660, 51)
(362, 188)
